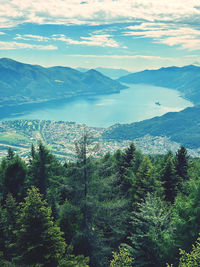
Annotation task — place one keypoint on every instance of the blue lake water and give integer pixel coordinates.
(136, 103)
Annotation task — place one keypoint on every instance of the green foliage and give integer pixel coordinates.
(122, 258)
(71, 260)
(152, 232)
(169, 178)
(99, 203)
(13, 175)
(187, 214)
(9, 215)
(70, 218)
(191, 259)
(182, 163)
(145, 181)
(44, 170)
(39, 241)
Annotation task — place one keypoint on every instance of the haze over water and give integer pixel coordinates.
(136, 103)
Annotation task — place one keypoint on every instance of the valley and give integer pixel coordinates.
(56, 105)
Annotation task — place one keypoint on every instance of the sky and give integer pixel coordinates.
(128, 34)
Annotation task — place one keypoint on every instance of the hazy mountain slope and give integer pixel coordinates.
(112, 73)
(185, 79)
(24, 83)
(182, 127)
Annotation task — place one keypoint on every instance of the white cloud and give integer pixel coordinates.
(31, 37)
(103, 40)
(96, 11)
(125, 57)
(184, 36)
(15, 45)
(164, 19)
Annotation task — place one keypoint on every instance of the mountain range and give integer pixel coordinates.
(112, 73)
(184, 79)
(24, 83)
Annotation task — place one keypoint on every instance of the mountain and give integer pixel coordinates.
(24, 84)
(185, 79)
(112, 73)
(182, 127)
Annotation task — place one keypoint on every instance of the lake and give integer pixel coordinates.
(138, 102)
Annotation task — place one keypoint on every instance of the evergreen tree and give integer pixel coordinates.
(9, 217)
(129, 156)
(10, 154)
(152, 233)
(45, 172)
(122, 258)
(169, 179)
(39, 241)
(84, 150)
(145, 181)
(13, 178)
(70, 218)
(182, 164)
(189, 259)
(187, 214)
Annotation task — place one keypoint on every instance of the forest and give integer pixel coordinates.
(121, 209)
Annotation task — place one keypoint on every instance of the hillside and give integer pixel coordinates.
(182, 127)
(112, 73)
(185, 79)
(25, 84)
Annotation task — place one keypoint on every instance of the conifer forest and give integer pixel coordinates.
(116, 210)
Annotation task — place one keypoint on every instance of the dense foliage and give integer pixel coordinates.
(124, 209)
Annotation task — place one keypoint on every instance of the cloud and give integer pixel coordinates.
(103, 40)
(164, 21)
(15, 45)
(125, 57)
(30, 37)
(170, 34)
(96, 11)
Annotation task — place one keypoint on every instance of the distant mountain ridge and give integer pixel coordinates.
(24, 83)
(184, 79)
(182, 127)
(112, 73)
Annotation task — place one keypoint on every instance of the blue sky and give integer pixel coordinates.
(128, 34)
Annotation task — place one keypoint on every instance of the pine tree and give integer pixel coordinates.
(152, 232)
(129, 156)
(39, 241)
(14, 175)
(10, 154)
(169, 179)
(145, 181)
(9, 217)
(182, 163)
(44, 169)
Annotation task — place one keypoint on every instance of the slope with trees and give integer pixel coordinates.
(120, 209)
